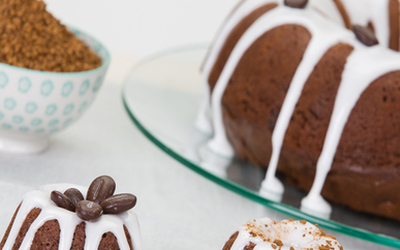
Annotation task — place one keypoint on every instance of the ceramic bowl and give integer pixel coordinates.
(35, 104)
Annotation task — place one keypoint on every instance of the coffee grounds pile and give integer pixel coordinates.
(30, 37)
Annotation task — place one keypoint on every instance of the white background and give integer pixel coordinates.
(136, 28)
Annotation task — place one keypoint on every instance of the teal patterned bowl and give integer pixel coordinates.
(35, 104)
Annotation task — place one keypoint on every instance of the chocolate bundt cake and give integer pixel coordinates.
(266, 234)
(293, 90)
(58, 217)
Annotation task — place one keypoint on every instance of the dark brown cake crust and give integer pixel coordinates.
(228, 245)
(255, 94)
(128, 237)
(109, 241)
(250, 246)
(5, 237)
(368, 156)
(47, 236)
(394, 24)
(233, 38)
(364, 174)
(78, 241)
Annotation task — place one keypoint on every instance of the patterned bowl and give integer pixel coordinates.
(35, 104)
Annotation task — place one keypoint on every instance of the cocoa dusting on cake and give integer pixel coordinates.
(255, 230)
(278, 243)
(280, 235)
(30, 37)
(99, 200)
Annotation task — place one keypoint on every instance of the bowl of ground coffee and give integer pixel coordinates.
(49, 75)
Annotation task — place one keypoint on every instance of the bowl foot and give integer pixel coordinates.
(23, 144)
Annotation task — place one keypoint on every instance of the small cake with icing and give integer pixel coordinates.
(266, 234)
(291, 89)
(59, 217)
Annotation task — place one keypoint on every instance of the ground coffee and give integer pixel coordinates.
(30, 37)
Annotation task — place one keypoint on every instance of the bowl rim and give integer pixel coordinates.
(104, 65)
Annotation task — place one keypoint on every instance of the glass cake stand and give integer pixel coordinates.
(165, 112)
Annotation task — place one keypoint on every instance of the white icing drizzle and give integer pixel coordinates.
(328, 9)
(69, 220)
(358, 12)
(325, 34)
(203, 122)
(363, 66)
(293, 234)
(380, 20)
(275, 17)
(374, 11)
(243, 9)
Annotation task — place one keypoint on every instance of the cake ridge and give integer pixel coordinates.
(242, 9)
(68, 221)
(276, 17)
(376, 61)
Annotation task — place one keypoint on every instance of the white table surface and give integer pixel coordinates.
(177, 208)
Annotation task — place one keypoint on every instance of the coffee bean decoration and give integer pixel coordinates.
(298, 4)
(365, 35)
(88, 210)
(101, 188)
(74, 195)
(62, 201)
(118, 203)
(99, 200)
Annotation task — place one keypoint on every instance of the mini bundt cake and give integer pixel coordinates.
(292, 90)
(58, 217)
(265, 234)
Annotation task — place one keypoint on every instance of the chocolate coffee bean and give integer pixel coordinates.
(88, 210)
(74, 195)
(365, 35)
(101, 188)
(299, 4)
(62, 201)
(118, 203)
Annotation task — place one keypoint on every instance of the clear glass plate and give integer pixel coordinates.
(162, 96)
